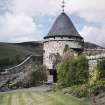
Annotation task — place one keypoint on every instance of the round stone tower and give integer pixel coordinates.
(63, 33)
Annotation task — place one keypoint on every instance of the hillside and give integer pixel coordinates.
(13, 53)
(11, 50)
(26, 48)
(91, 45)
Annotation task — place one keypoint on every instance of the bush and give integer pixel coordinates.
(97, 87)
(30, 78)
(85, 89)
(94, 76)
(40, 74)
(77, 90)
(101, 68)
(73, 71)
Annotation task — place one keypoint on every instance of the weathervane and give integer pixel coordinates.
(63, 6)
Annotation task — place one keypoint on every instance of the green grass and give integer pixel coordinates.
(11, 50)
(39, 98)
(21, 50)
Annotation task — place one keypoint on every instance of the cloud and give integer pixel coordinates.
(90, 10)
(87, 9)
(34, 7)
(17, 21)
(18, 27)
(94, 34)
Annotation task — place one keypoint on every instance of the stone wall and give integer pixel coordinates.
(11, 74)
(20, 67)
(94, 52)
(94, 55)
(93, 60)
(56, 45)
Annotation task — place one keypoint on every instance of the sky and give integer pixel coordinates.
(31, 20)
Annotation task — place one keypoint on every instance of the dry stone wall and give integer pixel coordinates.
(11, 74)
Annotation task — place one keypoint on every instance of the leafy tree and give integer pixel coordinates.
(72, 70)
(82, 68)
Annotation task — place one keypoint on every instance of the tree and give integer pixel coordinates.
(72, 70)
(82, 68)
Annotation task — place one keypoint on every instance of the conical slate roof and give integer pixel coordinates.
(63, 27)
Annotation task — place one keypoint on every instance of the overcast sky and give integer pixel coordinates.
(30, 20)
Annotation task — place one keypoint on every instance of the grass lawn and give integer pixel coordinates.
(39, 98)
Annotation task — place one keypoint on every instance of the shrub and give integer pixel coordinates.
(34, 76)
(77, 90)
(97, 87)
(94, 75)
(101, 68)
(73, 71)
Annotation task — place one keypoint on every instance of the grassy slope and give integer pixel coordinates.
(92, 45)
(23, 49)
(26, 48)
(19, 50)
(38, 98)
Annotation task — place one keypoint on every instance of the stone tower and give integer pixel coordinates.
(61, 34)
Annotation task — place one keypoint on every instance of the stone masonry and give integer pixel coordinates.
(57, 45)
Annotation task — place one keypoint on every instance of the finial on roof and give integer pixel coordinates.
(63, 6)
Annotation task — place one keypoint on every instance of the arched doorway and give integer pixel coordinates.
(53, 72)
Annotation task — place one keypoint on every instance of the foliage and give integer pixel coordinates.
(33, 77)
(66, 48)
(82, 69)
(101, 67)
(18, 52)
(94, 76)
(95, 83)
(97, 87)
(72, 71)
(40, 74)
(77, 90)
